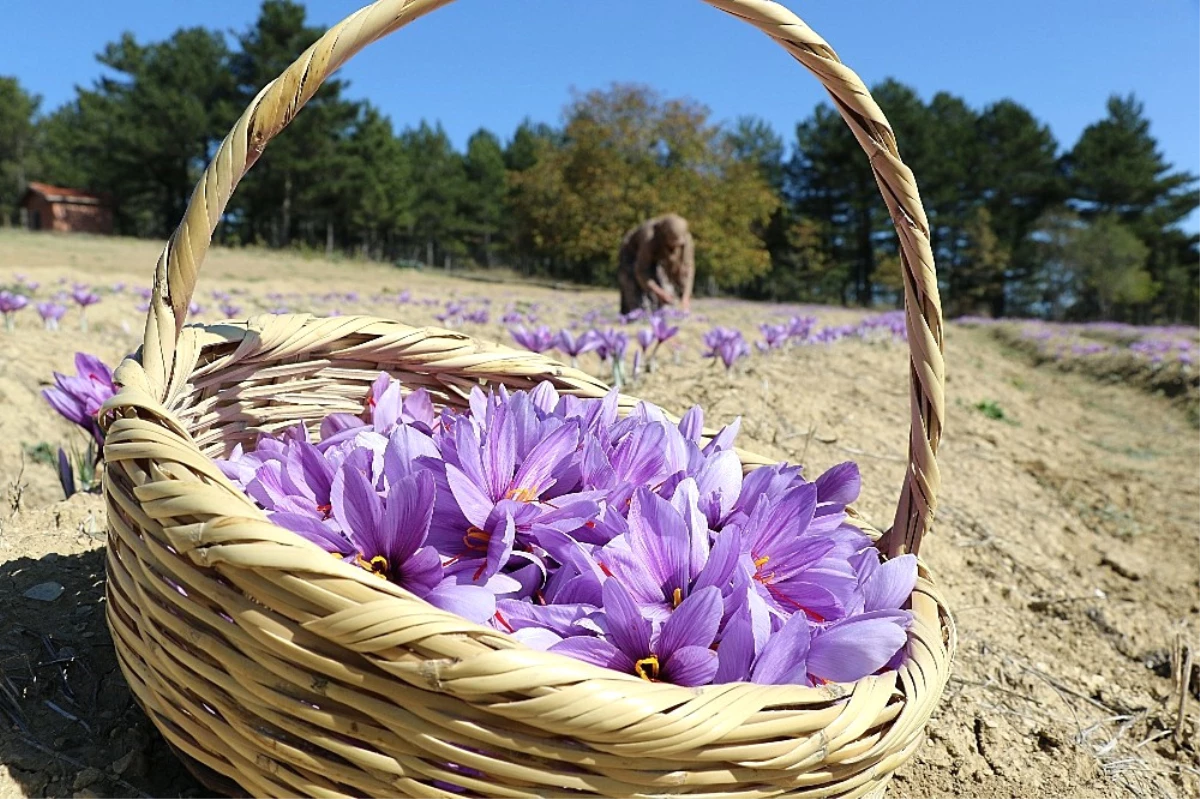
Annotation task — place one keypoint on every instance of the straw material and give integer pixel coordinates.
(270, 665)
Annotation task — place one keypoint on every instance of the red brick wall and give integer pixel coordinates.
(68, 217)
(72, 218)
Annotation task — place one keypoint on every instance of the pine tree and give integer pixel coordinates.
(439, 184)
(18, 129)
(290, 193)
(144, 132)
(483, 201)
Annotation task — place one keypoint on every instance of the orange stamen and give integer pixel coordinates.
(647, 668)
(677, 598)
(521, 494)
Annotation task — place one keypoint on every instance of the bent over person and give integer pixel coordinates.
(656, 265)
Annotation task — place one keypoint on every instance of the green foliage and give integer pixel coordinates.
(1089, 270)
(40, 452)
(483, 203)
(991, 409)
(627, 155)
(18, 112)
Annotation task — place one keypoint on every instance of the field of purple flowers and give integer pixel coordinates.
(1163, 359)
(1062, 490)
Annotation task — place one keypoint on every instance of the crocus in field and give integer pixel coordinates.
(725, 344)
(51, 312)
(84, 298)
(774, 337)
(538, 339)
(9, 304)
(573, 346)
(78, 397)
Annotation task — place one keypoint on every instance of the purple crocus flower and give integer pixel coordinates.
(612, 344)
(662, 329)
(84, 297)
(229, 310)
(645, 338)
(539, 339)
(665, 557)
(799, 327)
(802, 653)
(51, 312)
(386, 536)
(677, 652)
(774, 337)
(9, 304)
(726, 344)
(799, 561)
(574, 346)
(78, 398)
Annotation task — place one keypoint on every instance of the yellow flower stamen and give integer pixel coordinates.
(647, 668)
(477, 539)
(760, 562)
(677, 598)
(377, 565)
(521, 494)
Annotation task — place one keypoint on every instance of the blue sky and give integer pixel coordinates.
(493, 62)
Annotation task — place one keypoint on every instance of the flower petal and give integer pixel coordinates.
(783, 658)
(406, 516)
(858, 646)
(628, 630)
(694, 622)
(659, 540)
(358, 510)
(840, 484)
(890, 586)
(475, 504)
(736, 653)
(472, 602)
(320, 534)
(596, 651)
(690, 666)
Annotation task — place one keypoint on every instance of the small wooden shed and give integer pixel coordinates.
(46, 207)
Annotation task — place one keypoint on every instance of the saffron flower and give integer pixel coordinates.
(83, 298)
(774, 337)
(725, 344)
(538, 339)
(78, 398)
(9, 304)
(574, 346)
(677, 652)
(51, 312)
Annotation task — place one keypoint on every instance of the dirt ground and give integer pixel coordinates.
(1066, 542)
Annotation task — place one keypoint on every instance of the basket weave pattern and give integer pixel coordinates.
(267, 661)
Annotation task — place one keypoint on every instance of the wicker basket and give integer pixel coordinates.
(276, 670)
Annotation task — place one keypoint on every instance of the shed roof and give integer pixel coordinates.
(61, 194)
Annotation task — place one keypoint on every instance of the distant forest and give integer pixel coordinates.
(1020, 226)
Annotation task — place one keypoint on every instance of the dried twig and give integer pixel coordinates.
(1181, 660)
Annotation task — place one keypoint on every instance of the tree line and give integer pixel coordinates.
(1019, 225)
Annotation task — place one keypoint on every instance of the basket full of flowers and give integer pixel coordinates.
(350, 557)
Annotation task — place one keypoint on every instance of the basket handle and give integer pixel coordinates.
(276, 105)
